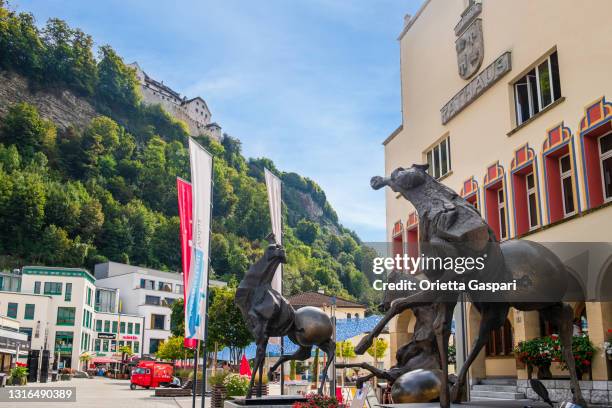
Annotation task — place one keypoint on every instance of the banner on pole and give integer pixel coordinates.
(273, 185)
(197, 282)
(185, 208)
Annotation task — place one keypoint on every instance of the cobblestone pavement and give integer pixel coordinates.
(102, 392)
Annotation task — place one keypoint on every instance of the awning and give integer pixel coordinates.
(103, 360)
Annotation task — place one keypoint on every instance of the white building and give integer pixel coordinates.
(55, 308)
(194, 112)
(12, 343)
(145, 292)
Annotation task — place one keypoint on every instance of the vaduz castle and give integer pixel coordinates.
(194, 112)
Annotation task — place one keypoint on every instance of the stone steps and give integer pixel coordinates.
(496, 389)
(499, 388)
(498, 395)
(497, 381)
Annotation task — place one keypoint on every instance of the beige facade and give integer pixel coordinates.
(505, 133)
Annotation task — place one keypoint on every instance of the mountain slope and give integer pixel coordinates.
(79, 191)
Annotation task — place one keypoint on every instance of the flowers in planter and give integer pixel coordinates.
(542, 351)
(317, 401)
(608, 349)
(538, 352)
(237, 385)
(583, 351)
(19, 375)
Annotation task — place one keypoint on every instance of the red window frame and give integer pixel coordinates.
(597, 122)
(558, 144)
(412, 235)
(397, 239)
(523, 164)
(495, 179)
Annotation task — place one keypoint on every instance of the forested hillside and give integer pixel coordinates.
(106, 190)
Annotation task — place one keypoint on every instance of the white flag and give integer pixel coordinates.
(201, 182)
(273, 184)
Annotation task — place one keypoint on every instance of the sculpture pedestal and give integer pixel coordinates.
(475, 404)
(277, 401)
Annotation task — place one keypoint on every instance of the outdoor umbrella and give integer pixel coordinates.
(245, 368)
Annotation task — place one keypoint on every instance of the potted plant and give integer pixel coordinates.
(538, 352)
(19, 376)
(219, 391)
(237, 385)
(84, 358)
(608, 349)
(583, 351)
(264, 385)
(317, 401)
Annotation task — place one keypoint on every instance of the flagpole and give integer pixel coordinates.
(204, 355)
(195, 375)
(282, 341)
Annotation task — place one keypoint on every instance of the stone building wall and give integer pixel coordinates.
(594, 392)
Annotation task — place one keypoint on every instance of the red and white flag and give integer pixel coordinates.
(183, 189)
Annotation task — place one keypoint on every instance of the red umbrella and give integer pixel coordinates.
(245, 368)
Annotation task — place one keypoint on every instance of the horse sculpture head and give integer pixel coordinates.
(402, 178)
(274, 253)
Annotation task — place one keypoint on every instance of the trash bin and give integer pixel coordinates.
(3, 380)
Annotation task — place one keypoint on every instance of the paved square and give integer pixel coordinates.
(102, 392)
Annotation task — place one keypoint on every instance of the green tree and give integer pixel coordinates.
(173, 348)
(21, 48)
(378, 348)
(25, 128)
(68, 57)
(117, 86)
(307, 231)
(227, 328)
(177, 318)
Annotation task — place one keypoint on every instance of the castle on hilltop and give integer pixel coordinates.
(194, 112)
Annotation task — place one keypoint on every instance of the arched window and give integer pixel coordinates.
(357, 316)
(500, 341)
(525, 190)
(596, 143)
(560, 176)
(495, 200)
(348, 316)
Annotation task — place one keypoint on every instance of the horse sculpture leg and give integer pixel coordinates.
(397, 307)
(562, 315)
(259, 360)
(442, 328)
(492, 316)
(303, 353)
(329, 348)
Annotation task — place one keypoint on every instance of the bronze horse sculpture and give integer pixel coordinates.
(449, 226)
(421, 352)
(268, 314)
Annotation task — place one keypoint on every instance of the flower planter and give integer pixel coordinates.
(264, 389)
(65, 377)
(218, 396)
(544, 373)
(19, 381)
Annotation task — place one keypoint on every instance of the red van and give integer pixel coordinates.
(151, 374)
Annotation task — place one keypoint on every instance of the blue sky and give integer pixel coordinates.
(312, 84)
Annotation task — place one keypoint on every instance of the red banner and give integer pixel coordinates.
(185, 214)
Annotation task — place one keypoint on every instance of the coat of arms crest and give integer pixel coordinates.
(469, 43)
